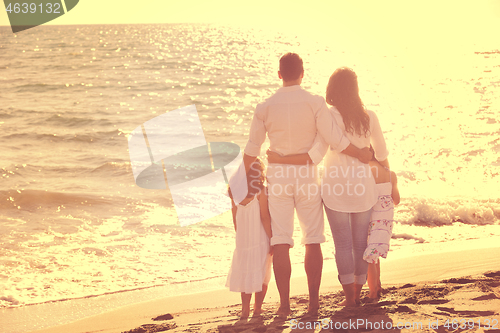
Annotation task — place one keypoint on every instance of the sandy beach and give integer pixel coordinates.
(82, 243)
(438, 292)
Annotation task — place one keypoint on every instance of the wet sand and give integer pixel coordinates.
(423, 293)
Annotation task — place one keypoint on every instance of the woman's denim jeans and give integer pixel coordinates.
(350, 233)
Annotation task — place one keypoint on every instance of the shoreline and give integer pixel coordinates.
(408, 241)
(396, 271)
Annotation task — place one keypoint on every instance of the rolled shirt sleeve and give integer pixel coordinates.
(257, 134)
(377, 138)
(328, 128)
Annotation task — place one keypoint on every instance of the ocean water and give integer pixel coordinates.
(74, 224)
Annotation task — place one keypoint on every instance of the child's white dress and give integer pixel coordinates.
(251, 265)
(381, 223)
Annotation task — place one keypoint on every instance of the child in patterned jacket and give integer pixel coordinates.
(381, 224)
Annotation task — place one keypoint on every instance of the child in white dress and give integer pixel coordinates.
(381, 223)
(251, 265)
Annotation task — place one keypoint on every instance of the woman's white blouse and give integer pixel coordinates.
(348, 185)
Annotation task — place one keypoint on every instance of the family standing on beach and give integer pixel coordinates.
(357, 190)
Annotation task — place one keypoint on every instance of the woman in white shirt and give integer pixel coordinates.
(348, 187)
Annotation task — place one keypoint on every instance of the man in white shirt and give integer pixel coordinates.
(292, 118)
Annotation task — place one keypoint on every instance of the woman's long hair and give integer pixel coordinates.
(343, 93)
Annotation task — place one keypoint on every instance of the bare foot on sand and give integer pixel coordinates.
(349, 303)
(283, 312)
(257, 312)
(312, 311)
(245, 313)
(375, 294)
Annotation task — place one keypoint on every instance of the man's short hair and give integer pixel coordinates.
(291, 66)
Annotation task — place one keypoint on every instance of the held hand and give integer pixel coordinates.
(272, 157)
(365, 155)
